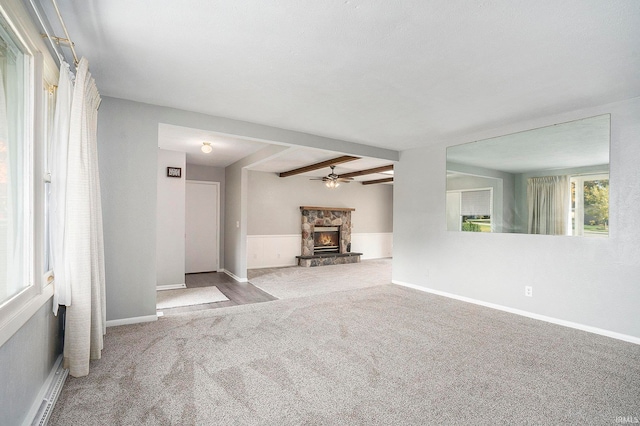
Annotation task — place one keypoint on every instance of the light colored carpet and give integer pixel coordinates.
(384, 355)
(188, 296)
(288, 283)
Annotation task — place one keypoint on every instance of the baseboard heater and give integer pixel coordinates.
(57, 380)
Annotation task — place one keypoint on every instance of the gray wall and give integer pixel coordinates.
(235, 243)
(212, 174)
(26, 360)
(171, 205)
(593, 282)
(127, 145)
(274, 203)
(206, 173)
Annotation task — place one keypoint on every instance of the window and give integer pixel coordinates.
(470, 210)
(475, 210)
(15, 167)
(590, 205)
(25, 109)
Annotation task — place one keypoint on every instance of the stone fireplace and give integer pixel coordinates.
(326, 236)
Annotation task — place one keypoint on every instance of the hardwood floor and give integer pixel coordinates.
(237, 293)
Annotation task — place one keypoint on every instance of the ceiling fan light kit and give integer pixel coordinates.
(332, 180)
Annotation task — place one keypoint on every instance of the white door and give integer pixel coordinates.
(201, 227)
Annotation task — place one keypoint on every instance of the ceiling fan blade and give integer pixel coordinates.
(333, 177)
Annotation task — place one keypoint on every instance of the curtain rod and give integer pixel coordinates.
(47, 35)
(66, 33)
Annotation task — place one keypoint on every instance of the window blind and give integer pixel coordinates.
(475, 203)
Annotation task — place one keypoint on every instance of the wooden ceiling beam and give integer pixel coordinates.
(318, 166)
(368, 171)
(371, 182)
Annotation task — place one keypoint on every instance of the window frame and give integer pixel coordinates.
(577, 226)
(459, 201)
(40, 75)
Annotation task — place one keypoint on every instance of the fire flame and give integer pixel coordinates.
(325, 239)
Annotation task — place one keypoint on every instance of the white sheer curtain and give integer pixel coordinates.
(58, 188)
(85, 323)
(13, 277)
(549, 202)
(7, 286)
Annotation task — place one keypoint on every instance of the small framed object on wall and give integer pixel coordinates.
(174, 172)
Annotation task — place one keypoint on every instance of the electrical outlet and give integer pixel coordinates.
(528, 291)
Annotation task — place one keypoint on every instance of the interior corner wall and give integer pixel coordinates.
(236, 181)
(212, 174)
(171, 213)
(590, 282)
(235, 235)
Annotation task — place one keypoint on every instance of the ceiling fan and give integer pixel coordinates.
(332, 180)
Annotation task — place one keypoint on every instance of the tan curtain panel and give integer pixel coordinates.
(549, 202)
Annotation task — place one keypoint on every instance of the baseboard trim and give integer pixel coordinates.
(235, 277)
(170, 287)
(570, 324)
(48, 396)
(282, 265)
(132, 320)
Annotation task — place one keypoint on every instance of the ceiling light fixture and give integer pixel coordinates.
(206, 147)
(332, 184)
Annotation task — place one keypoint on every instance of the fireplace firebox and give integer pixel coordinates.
(326, 239)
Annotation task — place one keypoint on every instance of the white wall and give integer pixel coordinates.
(274, 218)
(170, 219)
(590, 282)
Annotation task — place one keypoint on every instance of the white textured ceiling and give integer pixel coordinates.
(393, 74)
(226, 150)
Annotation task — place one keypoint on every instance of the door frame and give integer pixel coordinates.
(217, 184)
